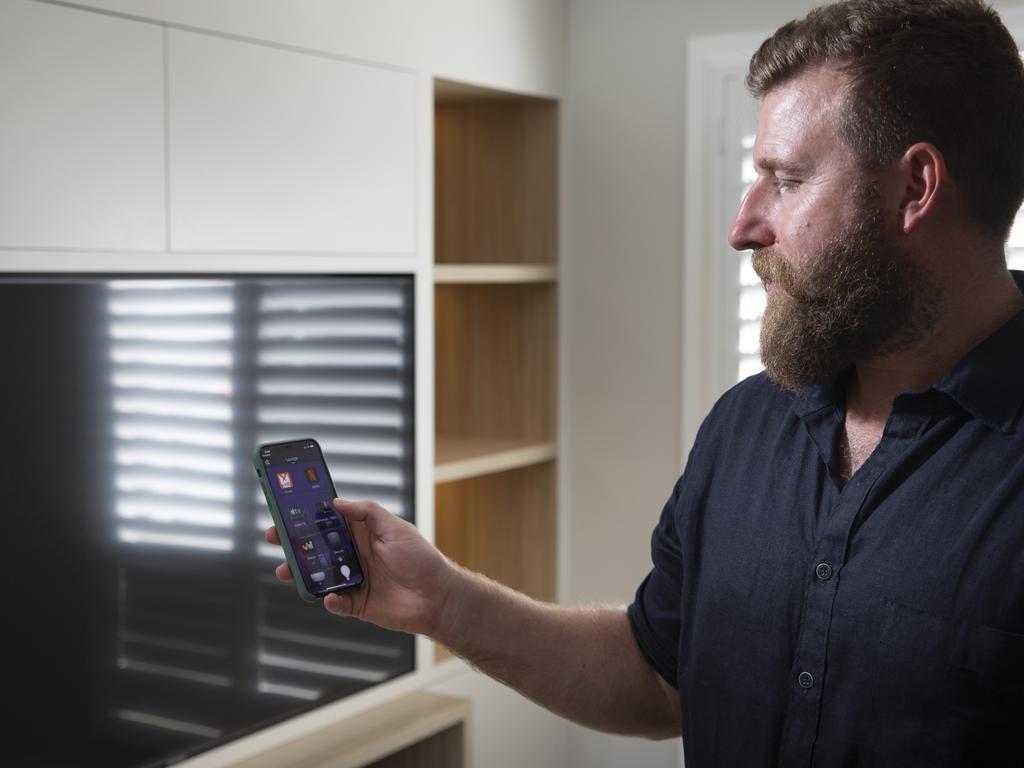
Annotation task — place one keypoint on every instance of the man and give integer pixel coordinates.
(838, 575)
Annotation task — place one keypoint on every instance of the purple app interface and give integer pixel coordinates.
(302, 489)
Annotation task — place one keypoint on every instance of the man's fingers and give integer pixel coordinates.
(369, 512)
(339, 605)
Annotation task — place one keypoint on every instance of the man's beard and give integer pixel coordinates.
(859, 298)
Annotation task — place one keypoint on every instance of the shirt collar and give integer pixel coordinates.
(825, 395)
(988, 382)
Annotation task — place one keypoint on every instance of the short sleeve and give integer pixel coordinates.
(655, 614)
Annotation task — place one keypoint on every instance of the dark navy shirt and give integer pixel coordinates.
(878, 623)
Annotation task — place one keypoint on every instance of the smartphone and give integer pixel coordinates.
(316, 539)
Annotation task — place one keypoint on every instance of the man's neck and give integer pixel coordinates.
(969, 315)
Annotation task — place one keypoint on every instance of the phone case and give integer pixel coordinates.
(282, 532)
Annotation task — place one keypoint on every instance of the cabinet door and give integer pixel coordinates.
(82, 133)
(278, 150)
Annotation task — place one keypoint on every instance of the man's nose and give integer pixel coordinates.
(751, 228)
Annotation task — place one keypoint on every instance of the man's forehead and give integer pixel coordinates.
(798, 116)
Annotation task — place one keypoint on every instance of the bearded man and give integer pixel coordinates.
(838, 575)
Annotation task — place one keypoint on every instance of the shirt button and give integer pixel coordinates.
(824, 571)
(806, 679)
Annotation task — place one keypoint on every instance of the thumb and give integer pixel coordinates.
(369, 512)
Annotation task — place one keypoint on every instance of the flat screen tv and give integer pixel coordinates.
(143, 620)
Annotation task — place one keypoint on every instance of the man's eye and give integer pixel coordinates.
(784, 185)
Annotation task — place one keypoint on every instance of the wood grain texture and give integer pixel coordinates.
(496, 181)
(504, 526)
(446, 749)
(495, 361)
(461, 458)
(495, 273)
(374, 737)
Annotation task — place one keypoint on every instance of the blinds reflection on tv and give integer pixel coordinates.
(130, 423)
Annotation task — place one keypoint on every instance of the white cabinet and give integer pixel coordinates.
(82, 133)
(284, 151)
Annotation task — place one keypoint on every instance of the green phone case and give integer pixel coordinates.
(275, 513)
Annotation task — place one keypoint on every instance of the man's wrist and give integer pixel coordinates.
(454, 594)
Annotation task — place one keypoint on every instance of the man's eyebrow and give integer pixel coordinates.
(775, 164)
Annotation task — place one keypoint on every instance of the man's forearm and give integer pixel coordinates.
(581, 663)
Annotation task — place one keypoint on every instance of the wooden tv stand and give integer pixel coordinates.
(418, 730)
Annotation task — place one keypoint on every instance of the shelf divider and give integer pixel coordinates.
(495, 273)
(460, 458)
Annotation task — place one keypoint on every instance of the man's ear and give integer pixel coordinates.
(924, 177)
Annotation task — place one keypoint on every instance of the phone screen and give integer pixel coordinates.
(297, 476)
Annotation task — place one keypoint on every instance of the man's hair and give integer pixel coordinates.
(945, 72)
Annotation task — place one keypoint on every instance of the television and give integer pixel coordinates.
(144, 621)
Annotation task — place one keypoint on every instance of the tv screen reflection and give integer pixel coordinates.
(149, 624)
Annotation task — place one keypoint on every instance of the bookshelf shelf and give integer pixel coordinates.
(462, 458)
(496, 334)
(495, 273)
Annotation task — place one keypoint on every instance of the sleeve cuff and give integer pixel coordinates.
(649, 646)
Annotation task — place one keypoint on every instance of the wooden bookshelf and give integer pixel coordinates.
(496, 331)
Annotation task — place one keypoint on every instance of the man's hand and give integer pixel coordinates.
(407, 580)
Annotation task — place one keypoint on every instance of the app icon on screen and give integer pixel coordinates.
(308, 546)
(311, 475)
(334, 539)
(296, 513)
(284, 480)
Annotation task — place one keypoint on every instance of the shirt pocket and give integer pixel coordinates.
(947, 692)
(989, 653)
